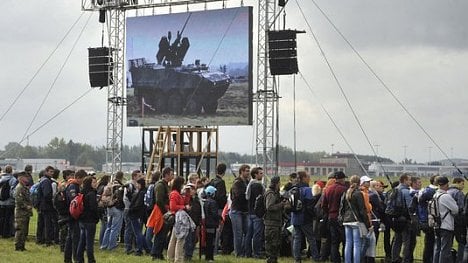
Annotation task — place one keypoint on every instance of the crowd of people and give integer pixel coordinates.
(337, 220)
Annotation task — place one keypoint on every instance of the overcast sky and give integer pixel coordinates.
(418, 48)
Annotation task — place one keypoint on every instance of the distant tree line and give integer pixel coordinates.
(82, 154)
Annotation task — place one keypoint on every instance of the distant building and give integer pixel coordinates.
(349, 160)
(378, 169)
(37, 164)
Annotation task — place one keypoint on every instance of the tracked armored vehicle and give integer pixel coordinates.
(170, 87)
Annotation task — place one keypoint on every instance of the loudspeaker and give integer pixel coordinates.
(100, 67)
(102, 15)
(282, 52)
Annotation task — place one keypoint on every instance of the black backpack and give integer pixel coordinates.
(434, 216)
(5, 190)
(60, 202)
(395, 204)
(259, 206)
(295, 199)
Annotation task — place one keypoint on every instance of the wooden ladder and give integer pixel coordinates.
(158, 150)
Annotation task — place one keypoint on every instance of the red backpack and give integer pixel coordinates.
(77, 206)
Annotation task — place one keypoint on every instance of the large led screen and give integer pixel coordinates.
(190, 69)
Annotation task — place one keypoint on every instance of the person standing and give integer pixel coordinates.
(220, 197)
(429, 237)
(175, 250)
(402, 230)
(456, 191)
(211, 222)
(7, 206)
(273, 219)
(112, 198)
(129, 193)
(331, 205)
(303, 220)
(88, 220)
(255, 227)
(448, 208)
(239, 210)
(73, 235)
(137, 215)
(195, 214)
(161, 192)
(46, 205)
(23, 211)
(355, 220)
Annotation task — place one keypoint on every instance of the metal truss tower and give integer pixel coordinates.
(266, 95)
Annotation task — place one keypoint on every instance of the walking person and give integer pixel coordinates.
(88, 220)
(355, 220)
(23, 211)
(448, 209)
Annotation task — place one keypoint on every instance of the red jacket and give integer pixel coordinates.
(331, 199)
(176, 201)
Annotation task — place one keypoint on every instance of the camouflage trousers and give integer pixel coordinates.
(272, 243)
(22, 228)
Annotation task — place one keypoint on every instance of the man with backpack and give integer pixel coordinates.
(302, 217)
(447, 210)
(129, 192)
(7, 202)
(399, 201)
(112, 198)
(429, 237)
(255, 226)
(46, 207)
(73, 233)
(456, 191)
(331, 206)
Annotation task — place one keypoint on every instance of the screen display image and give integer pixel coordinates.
(190, 69)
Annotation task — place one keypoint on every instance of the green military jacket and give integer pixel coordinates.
(23, 204)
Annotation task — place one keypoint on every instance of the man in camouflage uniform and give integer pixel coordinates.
(23, 211)
(273, 220)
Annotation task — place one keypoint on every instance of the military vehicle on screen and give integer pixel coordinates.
(170, 87)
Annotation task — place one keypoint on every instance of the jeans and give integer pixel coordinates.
(159, 242)
(128, 232)
(189, 246)
(254, 237)
(114, 224)
(443, 244)
(353, 244)
(402, 239)
(71, 244)
(337, 237)
(103, 229)
(307, 231)
(239, 229)
(149, 237)
(136, 227)
(87, 233)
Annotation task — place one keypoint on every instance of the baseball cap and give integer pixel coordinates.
(365, 178)
(340, 175)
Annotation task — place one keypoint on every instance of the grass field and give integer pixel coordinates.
(37, 253)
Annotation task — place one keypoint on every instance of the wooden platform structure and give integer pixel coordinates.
(185, 149)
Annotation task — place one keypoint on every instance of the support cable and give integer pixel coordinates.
(380, 80)
(334, 123)
(56, 77)
(338, 83)
(41, 67)
(48, 121)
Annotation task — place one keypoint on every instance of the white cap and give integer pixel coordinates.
(365, 178)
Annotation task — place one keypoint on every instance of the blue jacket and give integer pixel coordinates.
(423, 198)
(297, 218)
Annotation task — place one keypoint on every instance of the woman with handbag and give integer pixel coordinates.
(355, 220)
